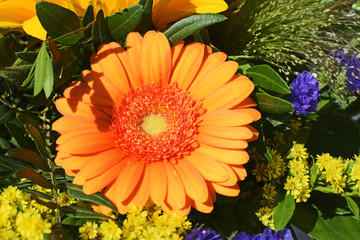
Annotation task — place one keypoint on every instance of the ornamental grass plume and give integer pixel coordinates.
(17, 13)
(160, 123)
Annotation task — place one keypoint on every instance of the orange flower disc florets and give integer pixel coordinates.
(156, 123)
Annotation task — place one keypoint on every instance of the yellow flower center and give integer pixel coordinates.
(154, 124)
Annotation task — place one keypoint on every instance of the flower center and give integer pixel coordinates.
(156, 123)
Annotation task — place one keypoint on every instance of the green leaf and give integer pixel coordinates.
(265, 77)
(100, 31)
(6, 114)
(354, 207)
(260, 142)
(56, 20)
(34, 177)
(27, 56)
(190, 25)
(77, 212)
(74, 221)
(146, 19)
(76, 192)
(272, 104)
(29, 156)
(15, 74)
(87, 19)
(44, 75)
(19, 135)
(13, 164)
(121, 23)
(283, 210)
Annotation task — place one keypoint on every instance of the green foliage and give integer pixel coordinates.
(44, 74)
(283, 210)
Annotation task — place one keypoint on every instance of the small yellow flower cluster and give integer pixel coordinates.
(19, 216)
(266, 216)
(149, 223)
(355, 173)
(297, 182)
(333, 170)
(294, 126)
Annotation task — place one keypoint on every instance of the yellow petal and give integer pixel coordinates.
(34, 28)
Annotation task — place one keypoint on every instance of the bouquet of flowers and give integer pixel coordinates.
(179, 119)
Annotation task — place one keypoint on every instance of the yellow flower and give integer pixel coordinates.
(18, 13)
(298, 151)
(355, 173)
(8, 234)
(31, 226)
(266, 216)
(88, 231)
(110, 230)
(269, 192)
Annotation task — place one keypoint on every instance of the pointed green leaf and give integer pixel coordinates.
(77, 212)
(13, 164)
(15, 74)
(29, 156)
(34, 177)
(354, 207)
(56, 20)
(265, 77)
(6, 114)
(76, 192)
(75, 221)
(100, 31)
(20, 136)
(146, 19)
(190, 25)
(260, 142)
(283, 210)
(272, 104)
(121, 23)
(87, 19)
(44, 75)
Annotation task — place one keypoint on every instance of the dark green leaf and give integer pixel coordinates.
(6, 114)
(265, 77)
(34, 177)
(354, 207)
(100, 31)
(190, 25)
(27, 56)
(44, 75)
(87, 19)
(56, 20)
(260, 142)
(75, 221)
(15, 74)
(283, 210)
(76, 192)
(272, 104)
(19, 135)
(13, 164)
(121, 23)
(146, 19)
(77, 212)
(29, 156)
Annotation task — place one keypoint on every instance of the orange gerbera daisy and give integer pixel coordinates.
(20, 13)
(159, 123)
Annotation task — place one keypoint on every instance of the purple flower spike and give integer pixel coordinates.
(353, 74)
(305, 94)
(267, 234)
(202, 234)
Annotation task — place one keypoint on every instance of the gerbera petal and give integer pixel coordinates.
(214, 79)
(68, 124)
(246, 103)
(190, 60)
(129, 179)
(70, 135)
(89, 143)
(112, 67)
(205, 207)
(175, 52)
(221, 142)
(199, 6)
(226, 118)
(229, 95)
(253, 113)
(158, 182)
(194, 183)
(98, 183)
(229, 156)
(240, 171)
(232, 180)
(99, 164)
(232, 191)
(74, 162)
(69, 107)
(103, 86)
(240, 133)
(208, 167)
(133, 47)
(176, 196)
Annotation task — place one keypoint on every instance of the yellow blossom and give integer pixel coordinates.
(266, 216)
(88, 231)
(31, 226)
(109, 230)
(298, 151)
(269, 192)
(355, 172)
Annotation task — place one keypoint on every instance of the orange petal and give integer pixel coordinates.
(253, 113)
(232, 180)
(240, 133)
(75, 162)
(129, 179)
(205, 207)
(100, 163)
(229, 95)
(194, 183)
(255, 133)
(96, 184)
(207, 166)
(232, 191)
(111, 194)
(176, 196)
(112, 67)
(221, 142)
(240, 171)
(103, 86)
(87, 143)
(225, 118)
(214, 79)
(229, 156)
(68, 124)
(175, 53)
(70, 135)
(133, 47)
(190, 60)
(68, 107)
(158, 182)
(246, 103)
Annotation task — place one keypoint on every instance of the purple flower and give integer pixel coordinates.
(267, 234)
(202, 234)
(341, 57)
(353, 74)
(305, 94)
